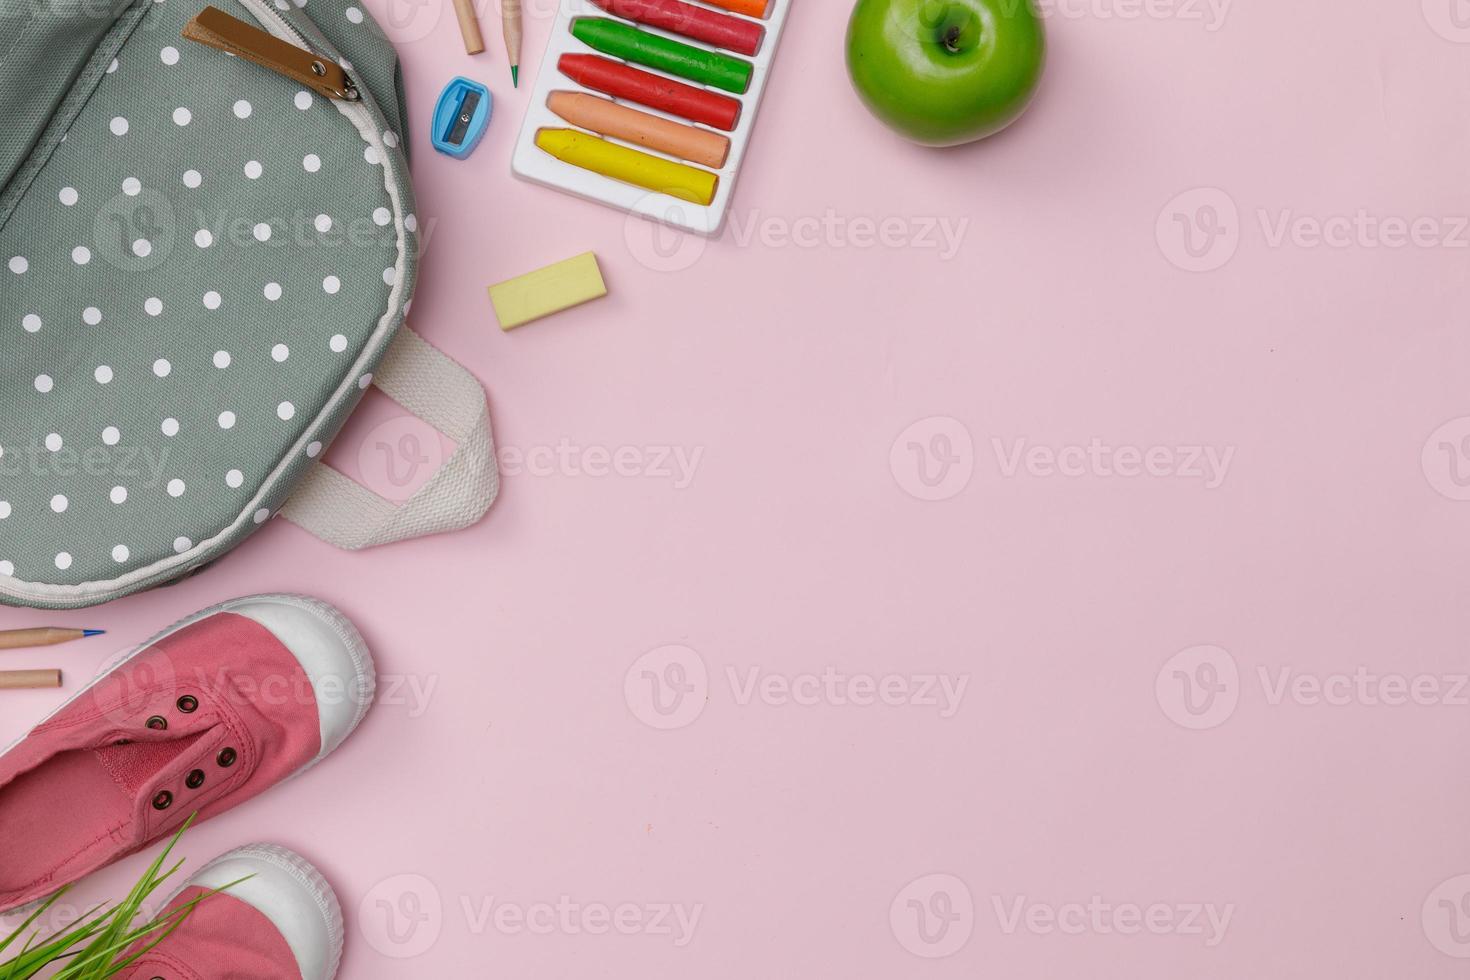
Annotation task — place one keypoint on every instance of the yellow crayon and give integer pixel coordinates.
(631, 166)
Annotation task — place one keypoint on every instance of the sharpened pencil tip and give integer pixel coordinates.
(93, 632)
(515, 76)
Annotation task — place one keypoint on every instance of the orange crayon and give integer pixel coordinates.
(750, 8)
(641, 128)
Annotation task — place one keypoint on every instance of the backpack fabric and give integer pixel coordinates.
(205, 264)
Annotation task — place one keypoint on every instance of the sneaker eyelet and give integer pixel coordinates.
(158, 723)
(195, 779)
(163, 800)
(188, 704)
(226, 758)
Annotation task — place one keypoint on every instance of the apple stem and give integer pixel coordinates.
(952, 37)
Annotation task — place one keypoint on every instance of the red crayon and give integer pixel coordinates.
(718, 29)
(621, 82)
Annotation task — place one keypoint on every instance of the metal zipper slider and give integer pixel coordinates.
(218, 29)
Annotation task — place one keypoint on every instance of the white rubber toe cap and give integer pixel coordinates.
(289, 891)
(330, 651)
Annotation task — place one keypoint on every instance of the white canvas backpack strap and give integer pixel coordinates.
(446, 396)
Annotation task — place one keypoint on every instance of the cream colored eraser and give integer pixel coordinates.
(546, 291)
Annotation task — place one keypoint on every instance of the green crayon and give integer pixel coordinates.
(656, 51)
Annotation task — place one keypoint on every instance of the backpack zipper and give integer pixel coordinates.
(218, 29)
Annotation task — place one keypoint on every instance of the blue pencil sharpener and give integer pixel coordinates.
(460, 117)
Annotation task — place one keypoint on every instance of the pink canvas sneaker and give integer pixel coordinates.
(203, 717)
(282, 923)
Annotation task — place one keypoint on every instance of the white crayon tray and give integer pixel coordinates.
(534, 164)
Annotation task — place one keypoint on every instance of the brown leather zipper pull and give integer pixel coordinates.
(218, 29)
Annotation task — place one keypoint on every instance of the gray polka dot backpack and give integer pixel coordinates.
(210, 246)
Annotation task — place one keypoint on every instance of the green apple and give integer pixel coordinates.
(945, 72)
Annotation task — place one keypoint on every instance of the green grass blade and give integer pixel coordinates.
(40, 911)
(127, 909)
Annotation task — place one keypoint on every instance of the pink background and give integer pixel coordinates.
(1331, 833)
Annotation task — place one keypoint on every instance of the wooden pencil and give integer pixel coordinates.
(510, 22)
(469, 26)
(44, 636)
(26, 680)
